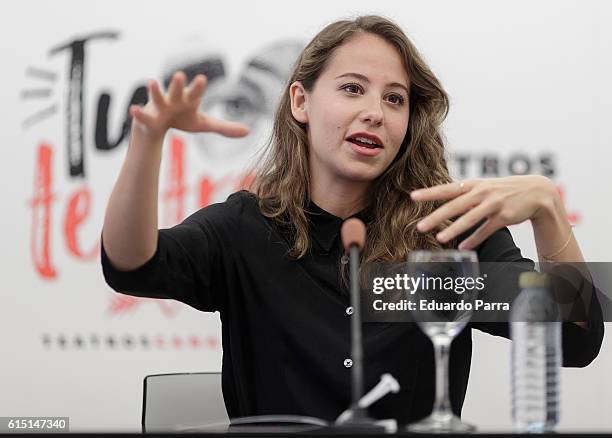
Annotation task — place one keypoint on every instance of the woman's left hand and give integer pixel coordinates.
(501, 201)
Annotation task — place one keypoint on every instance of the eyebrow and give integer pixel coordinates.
(365, 79)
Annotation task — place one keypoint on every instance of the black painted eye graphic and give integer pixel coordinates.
(239, 108)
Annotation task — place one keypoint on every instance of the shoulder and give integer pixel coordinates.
(237, 207)
(239, 202)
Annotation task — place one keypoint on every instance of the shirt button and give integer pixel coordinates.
(349, 310)
(344, 260)
(348, 363)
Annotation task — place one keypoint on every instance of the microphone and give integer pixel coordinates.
(353, 234)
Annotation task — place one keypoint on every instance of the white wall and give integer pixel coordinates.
(524, 77)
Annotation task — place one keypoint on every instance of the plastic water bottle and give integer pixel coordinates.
(536, 355)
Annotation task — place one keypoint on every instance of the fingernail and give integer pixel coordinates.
(414, 194)
(441, 237)
(421, 226)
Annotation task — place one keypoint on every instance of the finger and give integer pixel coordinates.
(223, 127)
(141, 116)
(196, 88)
(442, 191)
(175, 90)
(447, 211)
(466, 222)
(478, 236)
(156, 94)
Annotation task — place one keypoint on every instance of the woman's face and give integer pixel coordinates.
(361, 96)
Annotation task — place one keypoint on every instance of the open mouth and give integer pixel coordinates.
(364, 142)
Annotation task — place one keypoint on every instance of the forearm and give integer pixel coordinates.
(130, 223)
(555, 242)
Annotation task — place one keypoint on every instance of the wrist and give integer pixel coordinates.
(143, 135)
(551, 210)
(550, 223)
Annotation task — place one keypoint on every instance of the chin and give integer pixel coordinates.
(362, 175)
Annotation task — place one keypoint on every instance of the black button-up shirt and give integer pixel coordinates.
(286, 323)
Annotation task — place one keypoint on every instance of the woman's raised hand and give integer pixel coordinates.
(501, 201)
(179, 109)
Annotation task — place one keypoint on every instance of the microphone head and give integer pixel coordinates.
(353, 232)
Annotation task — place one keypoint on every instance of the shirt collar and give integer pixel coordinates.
(325, 227)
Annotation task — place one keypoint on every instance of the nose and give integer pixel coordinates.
(373, 113)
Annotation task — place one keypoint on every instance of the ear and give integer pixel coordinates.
(297, 93)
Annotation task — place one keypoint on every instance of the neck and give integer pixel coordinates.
(340, 199)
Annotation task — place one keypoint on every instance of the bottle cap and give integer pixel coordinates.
(533, 279)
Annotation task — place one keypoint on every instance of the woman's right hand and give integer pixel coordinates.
(179, 109)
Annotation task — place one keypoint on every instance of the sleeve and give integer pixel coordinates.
(187, 265)
(580, 345)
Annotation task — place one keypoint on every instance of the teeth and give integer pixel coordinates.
(364, 140)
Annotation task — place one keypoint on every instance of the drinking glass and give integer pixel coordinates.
(449, 304)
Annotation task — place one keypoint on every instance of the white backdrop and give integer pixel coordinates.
(530, 92)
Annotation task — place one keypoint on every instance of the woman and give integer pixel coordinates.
(356, 132)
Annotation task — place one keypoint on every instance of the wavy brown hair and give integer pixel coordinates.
(282, 177)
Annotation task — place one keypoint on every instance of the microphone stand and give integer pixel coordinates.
(359, 422)
(356, 337)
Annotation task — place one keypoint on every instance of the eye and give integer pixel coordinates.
(352, 88)
(396, 99)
